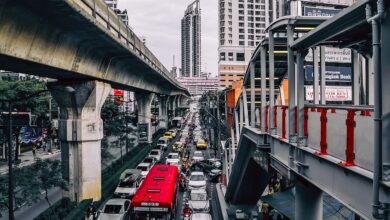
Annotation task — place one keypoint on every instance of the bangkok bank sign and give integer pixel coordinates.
(332, 93)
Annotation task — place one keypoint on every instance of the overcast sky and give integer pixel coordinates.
(160, 22)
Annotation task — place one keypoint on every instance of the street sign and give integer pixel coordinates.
(143, 132)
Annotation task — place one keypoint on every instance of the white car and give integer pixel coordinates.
(198, 201)
(198, 156)
(200, 216)
(173, 159)
(144, 167)
(163, 142)
(156, 154)
(197, 180)
(115, 209)
(129, 183)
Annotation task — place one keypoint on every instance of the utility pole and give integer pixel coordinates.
(10, 173)
(218, 127)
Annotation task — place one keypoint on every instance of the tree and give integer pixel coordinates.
(31, 181)
(17, 90)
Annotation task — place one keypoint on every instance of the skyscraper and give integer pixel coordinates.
(191, 41)
(241, 27)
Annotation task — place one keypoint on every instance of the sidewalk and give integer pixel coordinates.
(27, 158)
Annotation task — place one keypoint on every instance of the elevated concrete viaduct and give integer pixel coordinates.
(85, 45)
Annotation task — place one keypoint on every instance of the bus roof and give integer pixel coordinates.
(158, 188)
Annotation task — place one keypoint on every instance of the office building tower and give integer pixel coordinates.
(191, 41)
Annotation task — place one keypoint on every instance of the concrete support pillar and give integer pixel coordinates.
(80, 134)
(291, 86)
(315, 76)
(175, 105)
(271, 71)
(301, 98)
(144, 101)
(322, 75)
(163, 112)
(308, 201)
(252, 82)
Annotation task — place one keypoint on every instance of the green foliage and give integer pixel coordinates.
(17, 90)
(31, 181)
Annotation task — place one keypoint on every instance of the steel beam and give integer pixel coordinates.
(263, 60)
(315, 76)
(301, 98)
(271, 81)
(322, 75)
(291, 85)
(252, 82)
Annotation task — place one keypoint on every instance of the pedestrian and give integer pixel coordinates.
(33, 150)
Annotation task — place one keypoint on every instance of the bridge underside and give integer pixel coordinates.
(59, 40)
(248, 179)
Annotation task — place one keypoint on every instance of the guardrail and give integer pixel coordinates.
(343, 132)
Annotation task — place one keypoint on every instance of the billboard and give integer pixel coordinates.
(332, 73)
(332, 93)
(143, 132)
(333, 55)
(319, 11)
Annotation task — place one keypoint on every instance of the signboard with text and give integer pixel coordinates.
(332, 73)
(333, 55)
(332, 93)
(319, 11)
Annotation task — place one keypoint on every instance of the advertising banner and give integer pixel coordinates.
(332, 93)
(333, 55)
(320, 11)
(332, 73)
(143, 132)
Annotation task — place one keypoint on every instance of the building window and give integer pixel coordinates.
(240, 57)
(241, 24)
(251, 43)
(241, 43)
(241, 30)
(241, 12)
(222, 56)
(241, 37)
(240, 6)
(241, 18)
(230, 56)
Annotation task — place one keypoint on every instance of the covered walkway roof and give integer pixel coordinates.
(351, 20)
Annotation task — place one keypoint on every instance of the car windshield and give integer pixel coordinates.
(143, 168)
(173, 156)
(127, 183)
(198, 196)
(197, 178)
(154, 153)
(161, 142)
(112, 209)
(198, 154)
(148, 160)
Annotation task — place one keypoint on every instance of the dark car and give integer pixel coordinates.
(210, 164)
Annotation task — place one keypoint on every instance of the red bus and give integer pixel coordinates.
(156, 198)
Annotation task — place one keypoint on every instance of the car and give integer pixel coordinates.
(144, 167)
(210, 164)
(168, 135)
(130, 180)
(198, 201)
(197, 180)
(201, 144)
(173, 132)
(156, 154)
(200, 216)
(163, 142)
(118, 209)
(198, 156)
(173, 159)
(214, 175)
(151, 160)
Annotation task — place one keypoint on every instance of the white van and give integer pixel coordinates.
(163, 143)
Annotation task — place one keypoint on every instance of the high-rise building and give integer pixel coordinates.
(191, 41)
(242, 26)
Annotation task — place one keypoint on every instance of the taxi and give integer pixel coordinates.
(168, 135)
(201, 144)
(178, 146)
